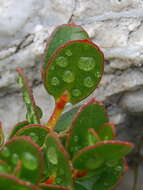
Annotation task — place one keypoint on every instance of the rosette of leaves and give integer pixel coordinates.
(76, 150)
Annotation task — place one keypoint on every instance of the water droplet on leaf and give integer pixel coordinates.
(86, 63)
(88, 82)
(68, 52)
(55, 81)
(5, 152)
(68, 77)
(15, 158)
(58, 180)
(76, 92)
(34, 137)
(93, 163)
(29, 161)
(75, 138)
(97, 74)
(111, 163)
(52, 155)
(118, 168)
(62, 61)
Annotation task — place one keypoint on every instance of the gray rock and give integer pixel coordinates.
(132, 102)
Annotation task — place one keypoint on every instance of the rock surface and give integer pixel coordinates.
(115, 25)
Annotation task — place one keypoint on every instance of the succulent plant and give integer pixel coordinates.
(74, 150)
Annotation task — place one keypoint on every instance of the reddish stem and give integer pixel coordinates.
(60, 104)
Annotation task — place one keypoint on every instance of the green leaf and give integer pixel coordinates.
(53, 187)
(4, 167)
(91, 115)
(1, 135)
(78, 74)
(93, 157)
(24, 151)
(107, 132)
(13, 183)
(60, 36)
(17, 127)
(105, 178)
(33, 111)
(65, 120)
(57, 161)
(36, 132)
(110, 177)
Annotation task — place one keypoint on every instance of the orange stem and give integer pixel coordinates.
(60, 104)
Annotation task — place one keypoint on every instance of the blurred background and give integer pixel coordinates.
(115, 25)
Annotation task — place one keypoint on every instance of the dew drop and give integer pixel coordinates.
(75, 138)
(15, 158)
(118, 168)
(52, 155)
(29, 161)
(86, 63)
(62, 61)
(5, 152)
(76, 92)
(97, 74)
(88, 82)
(111, 163)
(52, 68)
(68, 52)
(58, 180)
(55, 81)
(106, 138)
(76, 148)
(93, 163)
(34, 137)
(68, 77)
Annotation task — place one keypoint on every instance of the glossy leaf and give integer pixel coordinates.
(79, 73)
(36, 132)
(107, 132)
(92, 157)
(1, 135)
(53, 187)
(60, 36)
(13, 183)
(23, 150)
(91, 115)
(17, 127)
(33, 111)
(65, 120)
(110, 177)
(105, 178)
(57, 161)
